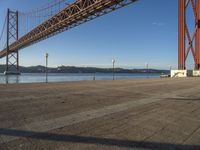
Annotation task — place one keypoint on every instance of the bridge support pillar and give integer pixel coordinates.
(197, 40)
(188, 42)
(12, 58)
(181, 36)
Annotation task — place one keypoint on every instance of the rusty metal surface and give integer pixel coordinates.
(73, 15)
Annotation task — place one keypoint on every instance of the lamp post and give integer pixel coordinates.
(113, 62)
(170, 68)
(94, 77)
(46, 69)
(147, 68)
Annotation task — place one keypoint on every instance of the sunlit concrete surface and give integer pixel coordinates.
(138, 114)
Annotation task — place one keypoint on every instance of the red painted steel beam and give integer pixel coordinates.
(197, 41)
(181, 34)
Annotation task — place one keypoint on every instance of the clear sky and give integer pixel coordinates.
(145, 31)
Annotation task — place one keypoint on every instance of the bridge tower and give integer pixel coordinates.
(198, 34)
(12, 58)
(188, 41)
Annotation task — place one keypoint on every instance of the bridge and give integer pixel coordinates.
(68, 15)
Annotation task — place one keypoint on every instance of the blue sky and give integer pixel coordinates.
(145, 31)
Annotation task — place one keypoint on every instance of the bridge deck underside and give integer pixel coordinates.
(73, 15)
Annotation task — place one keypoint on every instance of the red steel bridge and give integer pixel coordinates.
(53, 19)
(60, 16)
(188, 41)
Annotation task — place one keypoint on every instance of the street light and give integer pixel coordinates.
(113, 62)
(46, 69)
(147, 69)
(170, 68)
(94, 77)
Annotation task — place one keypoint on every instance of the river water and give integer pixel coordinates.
(62, 77)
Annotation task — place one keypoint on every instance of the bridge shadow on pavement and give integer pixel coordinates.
(96, 140)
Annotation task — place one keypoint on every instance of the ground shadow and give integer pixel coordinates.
(97, 140)
(184, 99)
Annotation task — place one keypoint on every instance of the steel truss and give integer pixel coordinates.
(73, 15)
(12, 61)
(184, 34)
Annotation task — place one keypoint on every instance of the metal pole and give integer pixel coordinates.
(147, 70)
(170, 70)
(17, 38)
(113, 71)
(46, 55)
(113, 61)
(6, 79)
(7, 49)
(94, 77)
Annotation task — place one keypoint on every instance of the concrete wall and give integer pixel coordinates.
(196, 73)
(178, 73)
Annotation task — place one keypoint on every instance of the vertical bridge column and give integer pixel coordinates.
(12, 58)
(181, 36)
(197, 42)
(186, 38)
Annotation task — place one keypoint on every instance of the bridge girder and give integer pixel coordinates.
(73, 15)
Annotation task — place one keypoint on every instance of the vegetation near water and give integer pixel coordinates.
(73, 69)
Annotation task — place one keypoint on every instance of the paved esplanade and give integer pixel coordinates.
(134, 114)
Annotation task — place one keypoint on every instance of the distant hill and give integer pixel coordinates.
(73, 69)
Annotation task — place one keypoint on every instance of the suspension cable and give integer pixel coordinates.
(4, 25)
(45, 7)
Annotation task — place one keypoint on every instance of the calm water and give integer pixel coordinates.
(60, 77)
